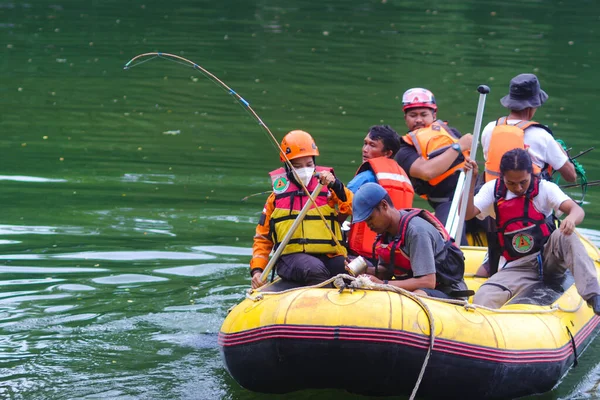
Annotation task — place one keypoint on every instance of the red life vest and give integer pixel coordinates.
(312, 236)
(395, 181)
(451, 270)
(522, 229)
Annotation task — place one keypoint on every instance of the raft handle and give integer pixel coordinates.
(575, 362)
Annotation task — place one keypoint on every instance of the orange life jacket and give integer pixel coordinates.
(433, 141)
(506, 137)
(397, 183)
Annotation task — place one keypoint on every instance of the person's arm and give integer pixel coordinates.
(423, 242)
(381, 272)
(472, 210)
(567, 171)
(340, 195)
(262, 244)
(361, 179)
(434, 167)
(557, 157)
(575, 215)
(411, 284)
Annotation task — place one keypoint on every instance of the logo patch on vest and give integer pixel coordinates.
(281, 185)
(522, 243)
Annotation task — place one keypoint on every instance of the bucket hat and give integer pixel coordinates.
(524, 92)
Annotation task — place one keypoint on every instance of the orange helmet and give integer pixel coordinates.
(298, 144)
(418, 97)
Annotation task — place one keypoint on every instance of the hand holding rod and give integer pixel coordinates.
(288, 235)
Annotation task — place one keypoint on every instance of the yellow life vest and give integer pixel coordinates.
(311, 236)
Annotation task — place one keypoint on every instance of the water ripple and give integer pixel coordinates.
(128, 278)
(200, 269)
(47, 270)
(21, 178)
(134, 255)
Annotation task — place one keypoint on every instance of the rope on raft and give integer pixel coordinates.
(375, 286)
(365, 283)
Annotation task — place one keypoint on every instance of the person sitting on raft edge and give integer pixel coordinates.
(521, 202)
(311, 256)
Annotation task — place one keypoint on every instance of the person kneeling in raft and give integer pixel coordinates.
(412, 246)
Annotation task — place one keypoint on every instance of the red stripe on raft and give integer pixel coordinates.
(408, 339)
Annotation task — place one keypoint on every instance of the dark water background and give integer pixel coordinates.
(123, 237)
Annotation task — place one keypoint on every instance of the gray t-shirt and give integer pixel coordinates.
(422, 243)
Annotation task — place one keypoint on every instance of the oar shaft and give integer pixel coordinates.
(453, 213)
(483, 91)
(288, 235)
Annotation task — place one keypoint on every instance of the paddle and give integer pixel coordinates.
(288, 235)
(483, 91)
(452, 220)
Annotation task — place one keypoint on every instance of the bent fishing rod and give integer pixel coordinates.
(145, 57)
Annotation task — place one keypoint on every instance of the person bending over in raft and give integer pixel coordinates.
(413, 248)
(311, 256)
(521, 203)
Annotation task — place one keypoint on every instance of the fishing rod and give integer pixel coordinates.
(579, 171)
(590, 183)
(246, 105)
(582, 153)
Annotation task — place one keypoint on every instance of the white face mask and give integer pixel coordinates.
(305, 174)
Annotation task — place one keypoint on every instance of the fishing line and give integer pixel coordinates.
(256, 194)
(246, 105)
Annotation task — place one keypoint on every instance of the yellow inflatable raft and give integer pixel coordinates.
(376, 342)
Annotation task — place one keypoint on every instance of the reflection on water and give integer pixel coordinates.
(134, 256)
(17, 178)
(200, 270)
(127, 278)
(47, 270)
(37, 230)
(124, 187)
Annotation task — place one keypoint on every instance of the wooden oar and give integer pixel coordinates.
(483, 91)
(288, 235)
